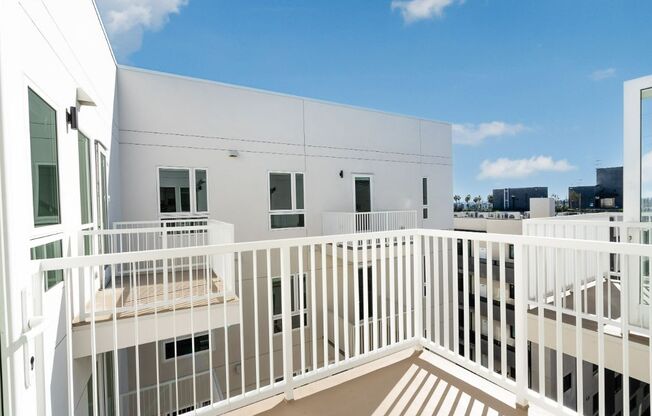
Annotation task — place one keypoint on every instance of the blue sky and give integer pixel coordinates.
(534, 88)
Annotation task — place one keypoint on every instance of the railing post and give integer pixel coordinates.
(520, 322)
(417, 269)
(286, 311)
(164, 245)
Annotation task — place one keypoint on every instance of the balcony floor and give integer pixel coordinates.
(406, 383)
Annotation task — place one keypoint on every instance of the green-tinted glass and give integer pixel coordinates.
(299, 190)
(84, 148)
(201, 190)
(45, 172)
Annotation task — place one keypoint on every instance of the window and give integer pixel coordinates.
(511, 291)
(568, 381)
(295, 306)
(184, 346)
(201, 193)
(646, 155)
(175, 194)
(45, 166)
(101, 186)
(286, 200)
(52, 250)
(511, 251)
(424, 197)
(84, 147)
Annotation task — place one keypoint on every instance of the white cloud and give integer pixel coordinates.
(521, 168)
(127, 20)
(600, 74)
(413, 10)
(477, 133)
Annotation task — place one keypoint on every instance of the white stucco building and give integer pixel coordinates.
(170, 245)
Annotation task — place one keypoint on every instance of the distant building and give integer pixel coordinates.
(609, 187)
(582, 197)
(517, 199)
(607, 193)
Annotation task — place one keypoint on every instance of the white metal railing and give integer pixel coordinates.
(169, 222)
(125, 284)
(174, 395)
(423, 288)
(363, 222)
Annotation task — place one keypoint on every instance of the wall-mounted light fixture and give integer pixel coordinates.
(71, 117)
(341, 174)
(234, 153)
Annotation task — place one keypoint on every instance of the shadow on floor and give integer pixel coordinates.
(409, 387)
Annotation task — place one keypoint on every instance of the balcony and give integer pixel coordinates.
(364, 222)
(309, 309)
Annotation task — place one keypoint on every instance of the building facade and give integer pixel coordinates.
(517, 199)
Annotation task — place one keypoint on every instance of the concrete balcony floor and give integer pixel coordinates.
(405, 383)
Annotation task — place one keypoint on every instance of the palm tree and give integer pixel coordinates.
(457, 199)
(490, 198)
(467, 199)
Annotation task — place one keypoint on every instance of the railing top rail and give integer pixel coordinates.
(113, 231)
(595, 223)
(162, 254)
(406, 211)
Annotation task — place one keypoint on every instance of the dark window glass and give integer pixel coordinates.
(174, 190)
(51, 250)
(299, 190)
(201, 190)
(287, 220)
(424, 190)
(568, 381)
(45, 167)
(280, 191)
(184, 346)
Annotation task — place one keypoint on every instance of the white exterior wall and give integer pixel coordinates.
(173, 121)
(53, 48)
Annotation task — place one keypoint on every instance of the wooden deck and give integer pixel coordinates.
(145, 293)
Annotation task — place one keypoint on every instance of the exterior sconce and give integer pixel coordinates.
(341, 174)
(71, 117)
(233, 153)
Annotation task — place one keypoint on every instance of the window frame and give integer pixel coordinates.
(163, 344)
(193, 212)
(91, 172)
(293, 191)
(44, 230)
(297, 304)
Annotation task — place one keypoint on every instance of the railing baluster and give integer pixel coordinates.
(490, 304)
(324, 293)
(503, 308)
(345, 298)
(256, 326)
(286, 310)
(302, 308)
(313, 305)
(465, 298)
(478, 305)
(392, 293)
(270, 317)
(383, 291)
